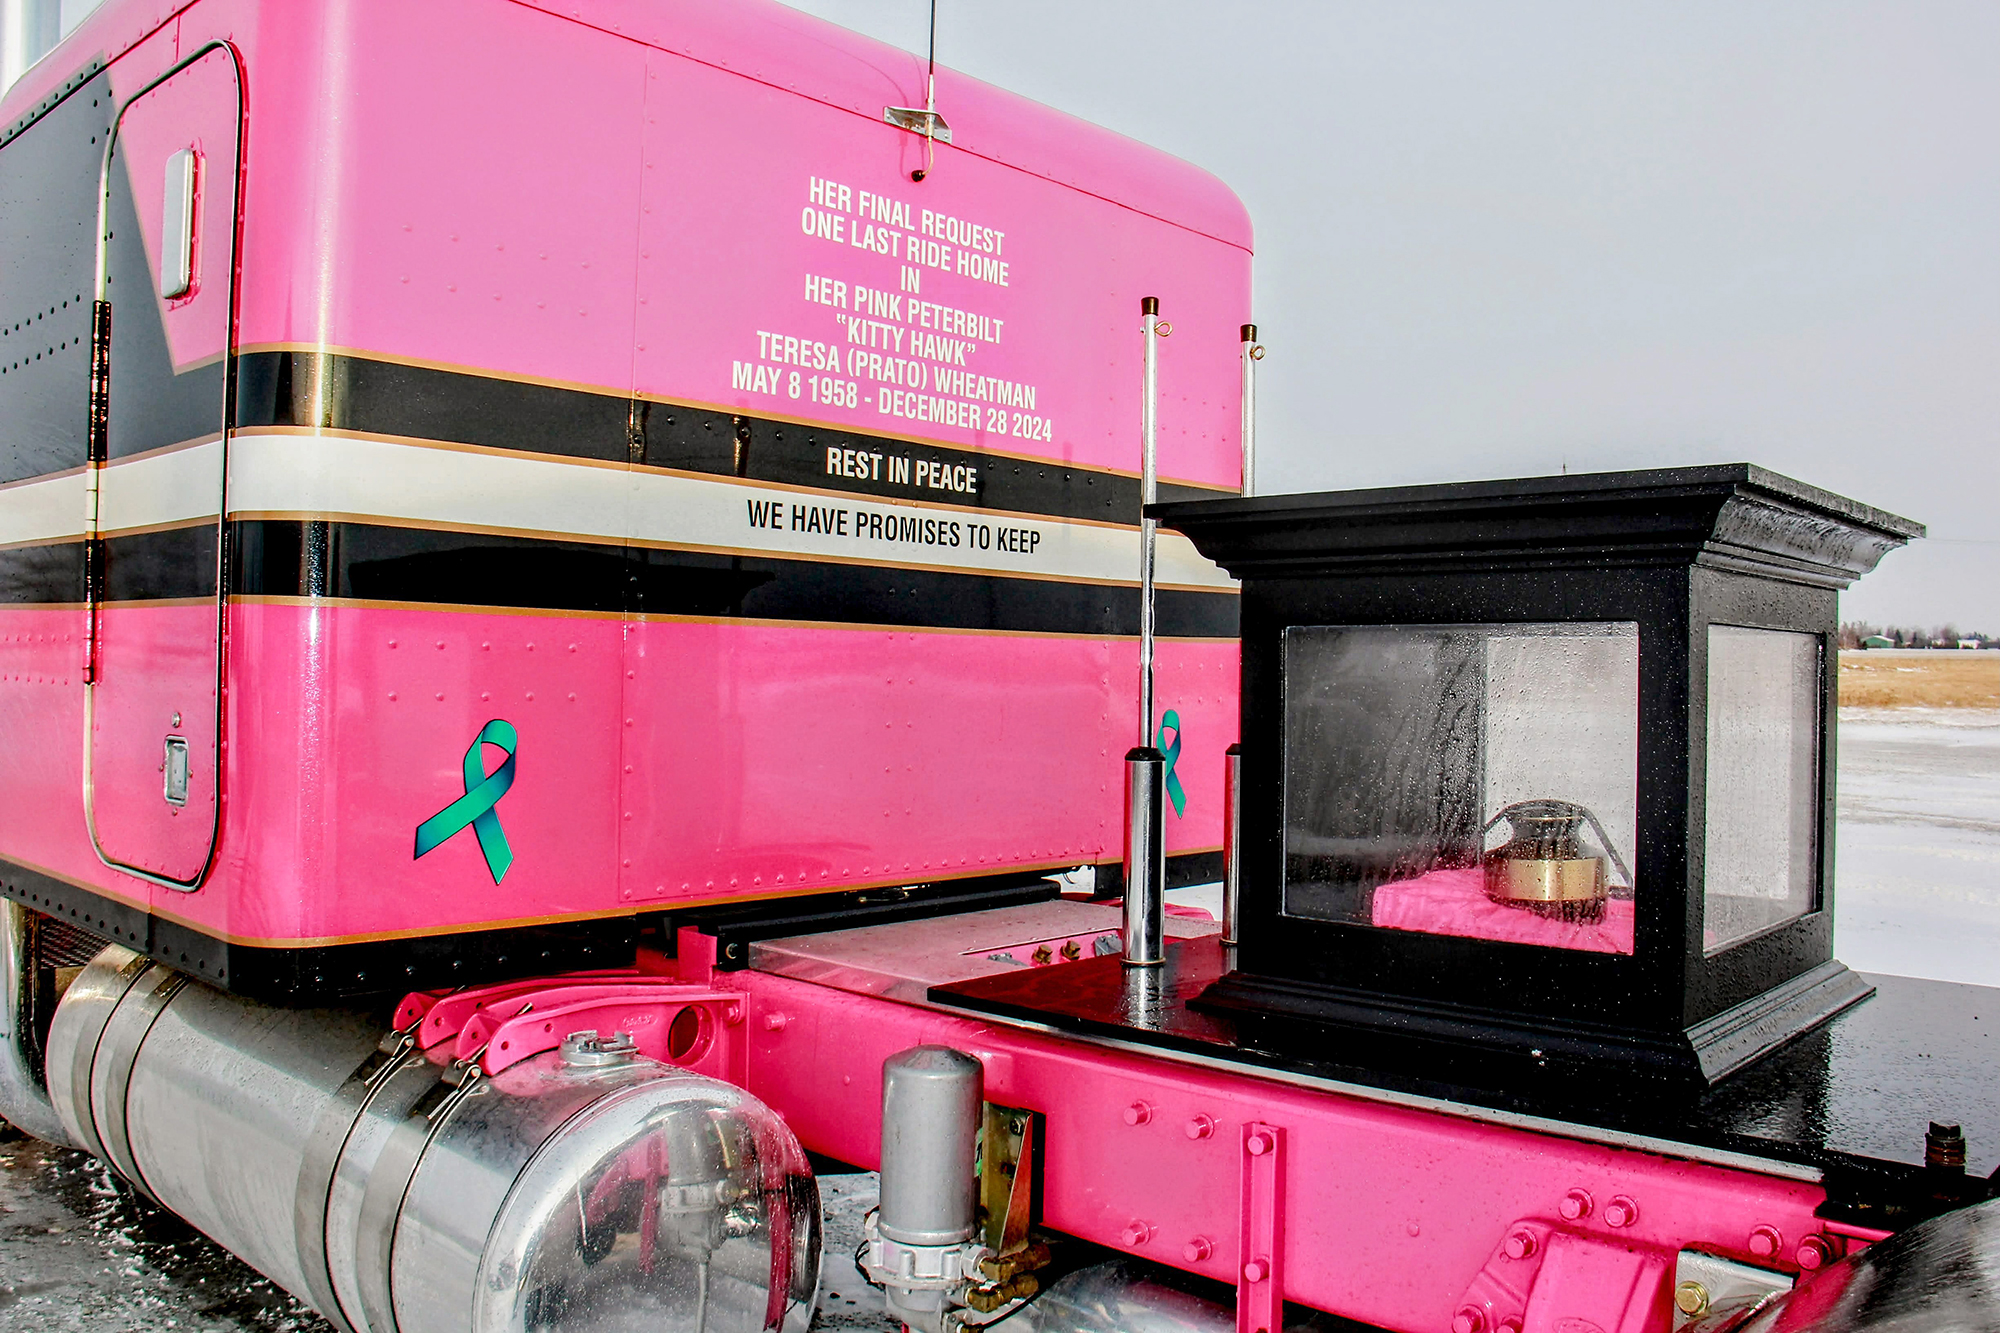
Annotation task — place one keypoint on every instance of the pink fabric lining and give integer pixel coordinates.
(1454, 902)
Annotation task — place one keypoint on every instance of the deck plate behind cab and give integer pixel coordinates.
(903, 961)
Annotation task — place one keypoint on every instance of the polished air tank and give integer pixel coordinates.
(394, 1192)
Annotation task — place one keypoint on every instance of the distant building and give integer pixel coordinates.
(1970, 643)
(1878, 641)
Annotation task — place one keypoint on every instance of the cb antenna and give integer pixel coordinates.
(930, 101)
(926, 122)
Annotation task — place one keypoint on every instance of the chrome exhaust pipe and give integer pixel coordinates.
(25, 998)
(395, 1191)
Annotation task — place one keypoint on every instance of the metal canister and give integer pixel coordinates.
(1543, 867)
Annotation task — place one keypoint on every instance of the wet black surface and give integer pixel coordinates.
(1866, 1084)
(78, 1251)
(1857, 1092)
(847, 1304)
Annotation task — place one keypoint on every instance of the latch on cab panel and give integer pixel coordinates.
(176, 767)
(177, 226)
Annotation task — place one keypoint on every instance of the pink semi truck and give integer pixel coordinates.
(565, 571)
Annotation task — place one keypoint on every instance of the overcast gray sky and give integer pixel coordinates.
(1496, 239)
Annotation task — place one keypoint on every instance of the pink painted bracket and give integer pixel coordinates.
(1497, 1299)
(414, 1006)
(442, 1014)
(1543, 1278)
(669, 1022)
(1260, 1286)
(498, 1026)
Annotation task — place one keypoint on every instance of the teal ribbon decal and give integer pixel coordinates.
(1175, 792)
(483, 791)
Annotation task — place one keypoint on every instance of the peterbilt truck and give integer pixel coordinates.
(567, 570)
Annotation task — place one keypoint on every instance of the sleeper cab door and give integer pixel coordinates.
(157, 596)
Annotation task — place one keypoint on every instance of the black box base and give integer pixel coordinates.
(1482, 1048)
(1849, 1098)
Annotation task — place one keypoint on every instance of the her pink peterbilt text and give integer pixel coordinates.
(615, 529)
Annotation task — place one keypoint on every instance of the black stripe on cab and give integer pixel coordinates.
(42, 574)
(340, 392)
(380, 563)
(316, 558)
(176, 563)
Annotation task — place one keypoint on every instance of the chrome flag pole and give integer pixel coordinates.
(1145, 766)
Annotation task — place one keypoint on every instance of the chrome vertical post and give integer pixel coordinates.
(1145, 766)
(1232, 842)
(1253, 352)
(1145, 922)
(24, 1095)
(1232, 758)
(1149, 427)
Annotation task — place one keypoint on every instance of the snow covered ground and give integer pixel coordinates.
(1918, 895)
(1917, 863)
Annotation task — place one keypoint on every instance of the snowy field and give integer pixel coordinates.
(1918, 893)
(1918, 858)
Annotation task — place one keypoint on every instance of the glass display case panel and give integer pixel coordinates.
(1470, 780)
(1762, 845)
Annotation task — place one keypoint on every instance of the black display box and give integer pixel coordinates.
(1460, 649)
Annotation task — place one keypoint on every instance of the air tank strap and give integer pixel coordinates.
(72, 1094)
(389, 1186)
(321, 1157)
(117, 1052)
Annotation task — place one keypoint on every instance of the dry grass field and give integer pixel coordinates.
(1888, 678)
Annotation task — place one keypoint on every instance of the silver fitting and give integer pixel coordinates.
(588, 1050)
(921, 1284)
(920, 1267)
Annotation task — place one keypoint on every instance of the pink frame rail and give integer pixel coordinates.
(1408, 1216)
